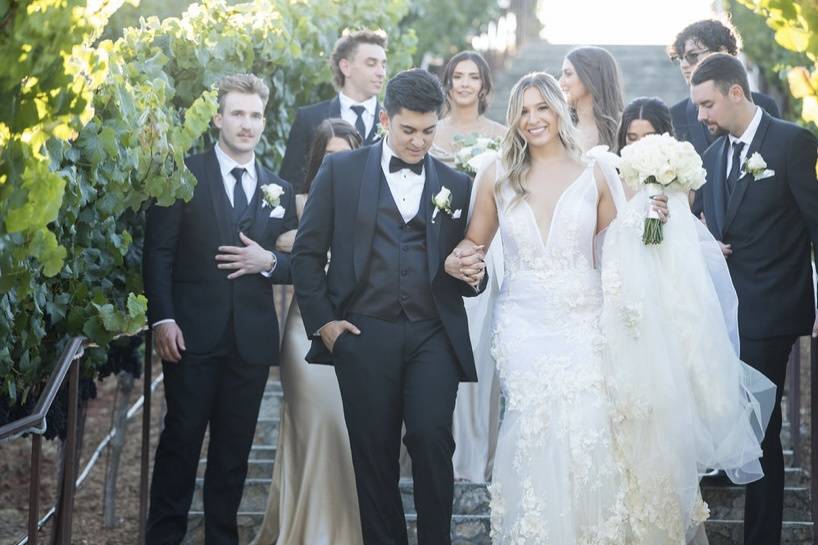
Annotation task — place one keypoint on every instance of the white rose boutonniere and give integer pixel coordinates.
(443, 202)
(271, 195)
(756, 166)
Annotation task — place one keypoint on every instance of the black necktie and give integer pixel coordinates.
(239, 197)
(359, 122)
(735, 168)
(396, 164)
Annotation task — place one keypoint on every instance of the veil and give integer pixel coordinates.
(684, 402)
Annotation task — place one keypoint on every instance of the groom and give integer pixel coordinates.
(767, 215)
(385, 314)
(208, 269)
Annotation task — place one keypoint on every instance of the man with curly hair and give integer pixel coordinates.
(692, 45)
(358, 64)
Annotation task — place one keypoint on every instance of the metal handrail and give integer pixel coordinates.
(35, 422)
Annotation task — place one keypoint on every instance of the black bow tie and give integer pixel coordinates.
(396, 164)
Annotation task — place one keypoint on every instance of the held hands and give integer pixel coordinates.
(251, 259)
(659, 204)
(169, 341)
(467, 263)
(332, 330)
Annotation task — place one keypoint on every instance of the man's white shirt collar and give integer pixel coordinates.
(227, 164)
(750, 131)
(386, 157)
(369, 104)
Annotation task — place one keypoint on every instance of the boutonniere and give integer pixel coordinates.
(271, 195)
(756, 166)
(443, 203)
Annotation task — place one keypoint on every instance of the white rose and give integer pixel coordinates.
(443, 198)
(756, 162)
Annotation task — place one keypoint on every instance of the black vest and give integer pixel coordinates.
(397, 278)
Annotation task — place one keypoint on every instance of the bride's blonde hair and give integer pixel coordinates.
(514, 148)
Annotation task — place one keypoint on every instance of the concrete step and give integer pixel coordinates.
(257, 468)
(727, 503)
(475, 530)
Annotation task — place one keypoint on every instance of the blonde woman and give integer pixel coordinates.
(571, 467)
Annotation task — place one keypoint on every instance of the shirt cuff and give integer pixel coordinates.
(166, 321)
(268, 274)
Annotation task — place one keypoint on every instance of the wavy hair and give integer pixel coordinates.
(514, 151)
(599, 73)
(485, 78)
(651, 109)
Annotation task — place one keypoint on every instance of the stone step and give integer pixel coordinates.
(257, 468)
(726, 502)
(475, 530)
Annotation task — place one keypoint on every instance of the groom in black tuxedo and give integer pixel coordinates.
(358, 64)
(209, 265)
(761, 200)
(385, 313)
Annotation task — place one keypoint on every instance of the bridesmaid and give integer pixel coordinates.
(592, 85)
(643, 116)
(312, 498)
(467, 83)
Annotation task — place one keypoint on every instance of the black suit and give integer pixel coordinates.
(231, 337)
(414, 347)
(307, 119)
(771, 225)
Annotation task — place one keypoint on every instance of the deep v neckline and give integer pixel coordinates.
(546, 241)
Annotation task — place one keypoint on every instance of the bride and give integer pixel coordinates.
(591, 450)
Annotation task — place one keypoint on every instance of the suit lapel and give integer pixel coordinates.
(218, 197)
(432, 228)
(744, 181)
(719, 192)
(696, 129)
(373, 132)
(367, 211)
(335, 107)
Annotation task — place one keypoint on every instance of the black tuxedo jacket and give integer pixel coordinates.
(687, 127)
(179, 269)
(340, 218)
(307, 119)
(771, 224)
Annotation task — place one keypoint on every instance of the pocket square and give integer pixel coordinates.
(456, 214)
(765, 175)
(277, 212)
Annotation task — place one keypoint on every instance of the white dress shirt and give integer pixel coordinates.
(248, 181)
(406, 186)
(746, 137)
(351, 117)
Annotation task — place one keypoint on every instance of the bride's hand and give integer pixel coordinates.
(659, 204)
(466, 263)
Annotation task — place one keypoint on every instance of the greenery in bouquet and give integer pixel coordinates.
(470, 148)
(660, 164)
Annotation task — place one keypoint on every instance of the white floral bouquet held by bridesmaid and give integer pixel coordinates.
(660, 164)
(472, 153)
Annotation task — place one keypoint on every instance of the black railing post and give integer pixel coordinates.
(65, 509)
(146, 436)
(34, 489)
(794, 401)
(813, 372)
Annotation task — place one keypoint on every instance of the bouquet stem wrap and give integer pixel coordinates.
(653, 225)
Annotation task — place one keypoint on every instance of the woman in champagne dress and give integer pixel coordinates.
(312, 497)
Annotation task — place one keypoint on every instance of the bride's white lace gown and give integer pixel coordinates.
(582, 459)
(556, 479)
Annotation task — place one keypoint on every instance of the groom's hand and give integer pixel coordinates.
(250, 259)
(170, 343)
(332, 330)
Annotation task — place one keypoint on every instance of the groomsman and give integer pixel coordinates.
(692, 45)
(358, 65)
(385, 313)
(208, 268)
(761, 200)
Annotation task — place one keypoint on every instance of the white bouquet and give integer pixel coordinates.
(663, 164)
(473, 149)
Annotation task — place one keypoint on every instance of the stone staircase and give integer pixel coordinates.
(646, 71)
(470, 524)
